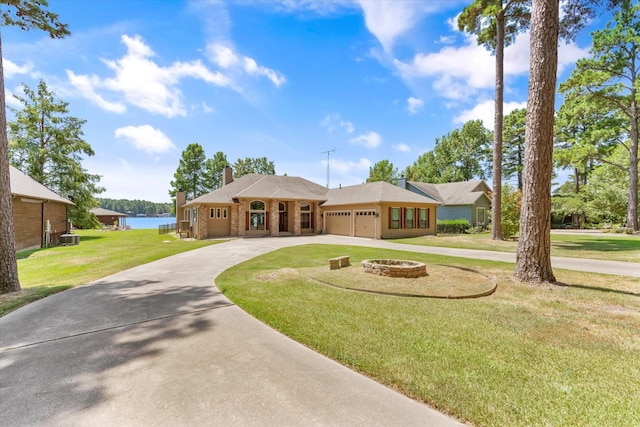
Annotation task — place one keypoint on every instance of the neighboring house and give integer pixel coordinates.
(269, 205)
(110, 218)
(470, 200)
(40, 216)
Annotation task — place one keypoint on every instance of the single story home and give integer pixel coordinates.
(470, 200)
(269, 205)
(40, 216)
(109, 218)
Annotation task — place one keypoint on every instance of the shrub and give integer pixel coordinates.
(511, 202)
(453, 226)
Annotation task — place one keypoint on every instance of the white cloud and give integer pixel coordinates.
(333, 121)
(414, 104)
(389, 19)
(369, 140)
(85, 86)
(207, 109)
(348, 167)
(404, 148)
(146, 138)
(144, 83)
(226, 58)
(485, 112)
(11, 69)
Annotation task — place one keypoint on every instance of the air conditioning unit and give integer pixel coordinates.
(69, 239)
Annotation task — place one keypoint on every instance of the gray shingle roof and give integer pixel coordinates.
(455, 193)
(264, 186)
(25, 186)
(373, 192)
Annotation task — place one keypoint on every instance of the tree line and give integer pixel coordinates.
(135, 207)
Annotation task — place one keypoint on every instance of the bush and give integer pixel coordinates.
(511, 202)
(453, 226)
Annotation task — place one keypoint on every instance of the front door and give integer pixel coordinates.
(282, 219)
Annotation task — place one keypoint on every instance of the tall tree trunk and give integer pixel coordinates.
(496, 200)
(533, 258)
(632, 209)
(8, 264)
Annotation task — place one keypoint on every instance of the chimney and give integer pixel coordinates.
(227, 176)
(402, 182)
(181, 199)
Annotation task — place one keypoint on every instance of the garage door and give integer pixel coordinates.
(338, 222)
(365, 224)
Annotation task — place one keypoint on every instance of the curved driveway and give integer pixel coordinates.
(160, 345)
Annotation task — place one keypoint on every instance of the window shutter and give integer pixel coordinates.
(247, 220)
(390, 217)
(311, 223)
(266, 220)
(428, 214)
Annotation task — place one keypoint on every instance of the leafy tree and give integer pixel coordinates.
(496, 23)
(513, 148)
(383, 171)
(213, 170)
(460, 155)
(189, 176)
(25, 14)
(533, 257)
(47, 144)
(511, 203)
(258, 165)
(609, 80)
(135, 207)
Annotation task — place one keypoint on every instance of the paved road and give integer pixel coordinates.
(160, 345)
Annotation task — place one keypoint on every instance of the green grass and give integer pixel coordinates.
(43, 272)
(605, 247)
(527, 355)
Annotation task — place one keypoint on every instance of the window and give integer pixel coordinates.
(305, 215)
(212, 213)
(409, 212)
(195, 215)
(394, 220)
(256, 216)
(480, 216)
(424, 218)
(224, 213)
(218, 213)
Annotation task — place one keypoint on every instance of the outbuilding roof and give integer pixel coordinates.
(23, 185)
(105, 212)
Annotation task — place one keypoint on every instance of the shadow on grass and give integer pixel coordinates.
(59, 355)
(604, 245)
(598, 288)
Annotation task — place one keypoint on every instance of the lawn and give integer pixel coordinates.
(610, 247)
(526, 355)
(43, 272)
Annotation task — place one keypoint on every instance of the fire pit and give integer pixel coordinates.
(394, 268)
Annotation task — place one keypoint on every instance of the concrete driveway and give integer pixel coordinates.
(160, 345)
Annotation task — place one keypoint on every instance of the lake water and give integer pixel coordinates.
(138, 223)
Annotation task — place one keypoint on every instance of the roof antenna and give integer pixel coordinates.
(328, 153)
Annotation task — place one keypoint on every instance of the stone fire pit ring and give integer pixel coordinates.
(395, 268)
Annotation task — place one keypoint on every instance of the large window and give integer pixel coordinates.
(305, 215)
(257, 215)
(408, 217)
(218, 213)
(480, 216)
(395, 218)
(424, 218)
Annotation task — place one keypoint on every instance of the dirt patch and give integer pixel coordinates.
(443, 281)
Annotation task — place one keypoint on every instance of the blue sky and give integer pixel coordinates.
(285, 79)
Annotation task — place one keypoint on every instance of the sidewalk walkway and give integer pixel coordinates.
(160, 345)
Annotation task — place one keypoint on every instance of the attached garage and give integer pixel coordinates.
(337, 222)
(365, 223)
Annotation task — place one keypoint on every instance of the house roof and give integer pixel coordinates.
(373, 192)
(455, 193)
(105, 212)
(25, 186)
(264, 186)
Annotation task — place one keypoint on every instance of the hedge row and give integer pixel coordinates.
(453, 226)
